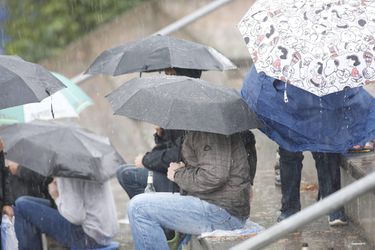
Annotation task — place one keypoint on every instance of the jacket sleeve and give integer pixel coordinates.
(2, 170)
(6, 192)
(29, 175)
(212, 169)
(159, 159)
(70, 202)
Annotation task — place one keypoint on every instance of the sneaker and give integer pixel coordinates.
(285, 215)
(337, 219)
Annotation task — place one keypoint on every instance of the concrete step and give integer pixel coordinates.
(361, 210)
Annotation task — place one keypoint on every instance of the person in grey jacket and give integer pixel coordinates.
(85, 217)
(214, 181)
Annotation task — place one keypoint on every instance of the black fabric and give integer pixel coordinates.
(248, 139)
(167, 149)
(2, 167)
(27, 182)
(194, 73)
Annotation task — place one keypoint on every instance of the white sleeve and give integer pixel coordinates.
(70, 202)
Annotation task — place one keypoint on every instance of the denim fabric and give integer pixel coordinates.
(34, 216)
(328, 171)
(148, 213)
(134, 180)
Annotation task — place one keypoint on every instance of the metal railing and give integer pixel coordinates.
(215, 4)
(307, 215)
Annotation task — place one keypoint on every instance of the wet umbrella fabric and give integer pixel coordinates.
(24, 82)
(158, 52)
(321, 46)
(68, 102)
(177, 102)
(57, 149)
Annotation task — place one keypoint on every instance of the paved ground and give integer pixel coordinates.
(266, 203)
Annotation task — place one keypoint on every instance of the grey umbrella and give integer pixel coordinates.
(24, 82)
(156, 53)
(57, 149)
(177, 102)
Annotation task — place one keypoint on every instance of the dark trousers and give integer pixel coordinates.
(328, 171)
(134, 180)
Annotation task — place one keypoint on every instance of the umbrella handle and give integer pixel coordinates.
(285, 94)
(52, 113)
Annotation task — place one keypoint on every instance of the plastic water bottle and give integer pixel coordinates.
(305, 246)
(150, 183)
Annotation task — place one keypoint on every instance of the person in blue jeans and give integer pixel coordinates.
(84, 217)
(214, 181)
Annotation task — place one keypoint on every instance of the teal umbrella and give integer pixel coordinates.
(68, 102)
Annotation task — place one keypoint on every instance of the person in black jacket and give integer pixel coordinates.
(167, 149)
(5, 201)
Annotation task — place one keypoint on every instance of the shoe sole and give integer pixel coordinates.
(338, 223)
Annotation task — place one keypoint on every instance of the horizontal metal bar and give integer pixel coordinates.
(307, 215)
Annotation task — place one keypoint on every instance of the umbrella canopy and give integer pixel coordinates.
(177, 102)
(68, 102)
(158, 52)
(332, 123)
(24, 82)
(319, 46)
(57, 149)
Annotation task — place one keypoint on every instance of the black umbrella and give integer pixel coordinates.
(177, 102)
(157, 53)
(24, 82)
(57, 149)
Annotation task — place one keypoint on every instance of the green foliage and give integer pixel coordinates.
(41, 28)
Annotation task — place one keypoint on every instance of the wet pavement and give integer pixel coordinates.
(266, 203)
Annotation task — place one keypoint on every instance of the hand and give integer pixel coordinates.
(13, 166)
(52, 189)
(138, 161)
(2, 145)
(8, 210)
(159, 131)
(173, 166)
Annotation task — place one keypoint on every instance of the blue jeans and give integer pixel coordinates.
(328, 171)
(148, 213)
(34, 216)
(134, 180)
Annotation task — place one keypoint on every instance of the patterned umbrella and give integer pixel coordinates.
(68, 102)
(322, 46)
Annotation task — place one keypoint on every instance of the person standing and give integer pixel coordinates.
(326, 126)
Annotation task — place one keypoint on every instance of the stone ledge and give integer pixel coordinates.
(362, 209)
